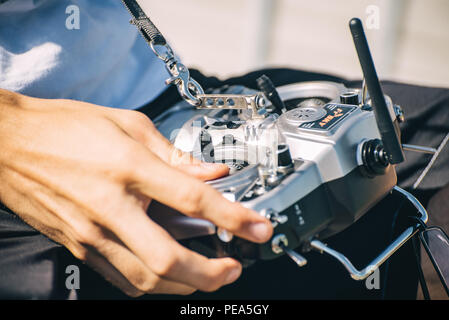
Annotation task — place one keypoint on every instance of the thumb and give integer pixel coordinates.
(204, 170)
(140, 128)
(187, 163)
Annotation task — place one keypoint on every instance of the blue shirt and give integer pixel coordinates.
(106, 61)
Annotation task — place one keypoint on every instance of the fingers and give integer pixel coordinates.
(186, 162)
(155, 177)
(103, 267)
(159, 181)
(140, 128)
(93, 243)
(169, 260)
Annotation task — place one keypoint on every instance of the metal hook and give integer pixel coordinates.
(186, 85)
(164, 56)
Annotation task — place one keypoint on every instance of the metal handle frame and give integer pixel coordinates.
(392, 248)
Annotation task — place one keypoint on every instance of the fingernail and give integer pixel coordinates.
(233, 275)
(260, 230)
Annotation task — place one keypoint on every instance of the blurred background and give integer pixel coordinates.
(409, 39)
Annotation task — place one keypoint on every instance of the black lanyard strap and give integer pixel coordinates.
(141, 20)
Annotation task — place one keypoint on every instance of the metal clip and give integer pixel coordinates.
(188, 88)
(163, 52)
(254, 102)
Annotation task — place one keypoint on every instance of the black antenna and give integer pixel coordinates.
(386, 127)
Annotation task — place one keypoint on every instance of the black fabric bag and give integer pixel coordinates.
(32, 266)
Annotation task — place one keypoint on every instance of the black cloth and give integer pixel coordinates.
(32, 266)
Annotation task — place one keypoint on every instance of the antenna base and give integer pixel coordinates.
(374, 157)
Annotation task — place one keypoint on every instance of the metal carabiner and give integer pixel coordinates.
(188, 88)
(165, 55)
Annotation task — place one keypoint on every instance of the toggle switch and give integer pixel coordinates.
(279, 244)
(274, 217)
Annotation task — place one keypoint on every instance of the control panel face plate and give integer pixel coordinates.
(305, 114)
(323, 118)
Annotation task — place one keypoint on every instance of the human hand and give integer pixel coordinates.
(84, 175)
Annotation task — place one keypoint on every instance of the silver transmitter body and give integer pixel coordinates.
(312, 162)
(306, 169)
